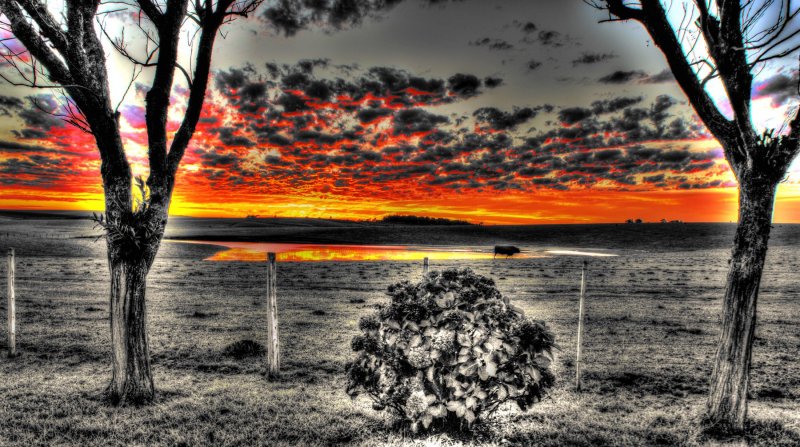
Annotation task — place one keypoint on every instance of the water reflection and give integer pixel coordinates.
(580, 253)
(255, 251)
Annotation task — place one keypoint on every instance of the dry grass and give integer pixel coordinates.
(649, 340)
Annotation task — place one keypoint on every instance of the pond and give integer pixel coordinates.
(288, 252)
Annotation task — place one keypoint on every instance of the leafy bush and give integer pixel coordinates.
(448, 351)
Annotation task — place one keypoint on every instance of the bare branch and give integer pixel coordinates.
(46, 23)
(134, 75)
(36, 46)
(211, 25)
(152, 11)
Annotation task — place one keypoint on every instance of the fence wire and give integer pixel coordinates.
(641, 316)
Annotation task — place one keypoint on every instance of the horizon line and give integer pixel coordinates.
(377, 219)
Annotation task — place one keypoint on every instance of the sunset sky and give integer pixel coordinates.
(494, 111)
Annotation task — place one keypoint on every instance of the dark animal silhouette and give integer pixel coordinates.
(508, 250)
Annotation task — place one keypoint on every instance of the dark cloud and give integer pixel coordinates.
(593, 58)
(13, 147)
(658, 111)
(29, 134)
(779, 88)
(318, 90)
(300, 90)
(637, 76)
(411, 121)
(292, 103)
(228, 138)
(464, 84)
(278, 140)
(613, 105)
(286, 16)
(496, 119)
(550, 38)
(534, 64)
(528, 27)
(308, 65)
(31, 170)
(234, 78)
(492, 44)
(343, 139)
(243, 88)
(291, 16)
(607, 155)
(658, 78)
(572, 115)
(623, 77)
(218, 158)
(9, 104)
(492, 82)
(39, 117)
(369, 115)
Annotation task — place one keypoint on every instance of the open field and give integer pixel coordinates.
(652, 324)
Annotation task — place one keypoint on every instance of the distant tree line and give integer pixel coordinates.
(422, 220)
(663, 221)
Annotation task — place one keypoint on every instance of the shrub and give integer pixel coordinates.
(448, 351)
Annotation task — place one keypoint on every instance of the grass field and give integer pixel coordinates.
(653, 317)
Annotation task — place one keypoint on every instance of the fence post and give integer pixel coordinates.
(273, 347)
(12, 311)
(425, 266)
(578, 359)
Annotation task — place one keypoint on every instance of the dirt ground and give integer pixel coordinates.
(652, 324)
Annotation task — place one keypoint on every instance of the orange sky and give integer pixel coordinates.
(67, 177)
(712, 205)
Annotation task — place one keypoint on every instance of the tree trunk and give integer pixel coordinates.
(131, 379)
(726, 409)
(130, 262)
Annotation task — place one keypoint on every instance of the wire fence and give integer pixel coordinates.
(642, 316)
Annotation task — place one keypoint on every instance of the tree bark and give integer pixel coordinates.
(726, 408)
(131, 379)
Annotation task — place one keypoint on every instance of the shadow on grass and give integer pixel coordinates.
(769, 432)
(591, 429)
(247, 357)
(644, 383)
(59, 350)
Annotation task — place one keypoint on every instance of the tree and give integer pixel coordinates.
(725, 41)
(68, 54)
(65, 52)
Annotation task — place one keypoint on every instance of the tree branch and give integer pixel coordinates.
(731, 60)
(36, 46)
(157, 98)
(213, 19)
(151, 11)
(44, 20)
(194, 107)
(656, 23)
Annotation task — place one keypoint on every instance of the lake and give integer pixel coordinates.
(288, 252)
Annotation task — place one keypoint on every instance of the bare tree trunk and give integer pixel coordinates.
(726, 408)
(131, 379)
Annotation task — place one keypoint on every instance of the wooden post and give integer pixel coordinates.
(425, 266)
(579, 359)
(12, 311)
(273, 347)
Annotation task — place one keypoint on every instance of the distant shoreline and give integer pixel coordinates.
(651, 237)
(313, 221)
